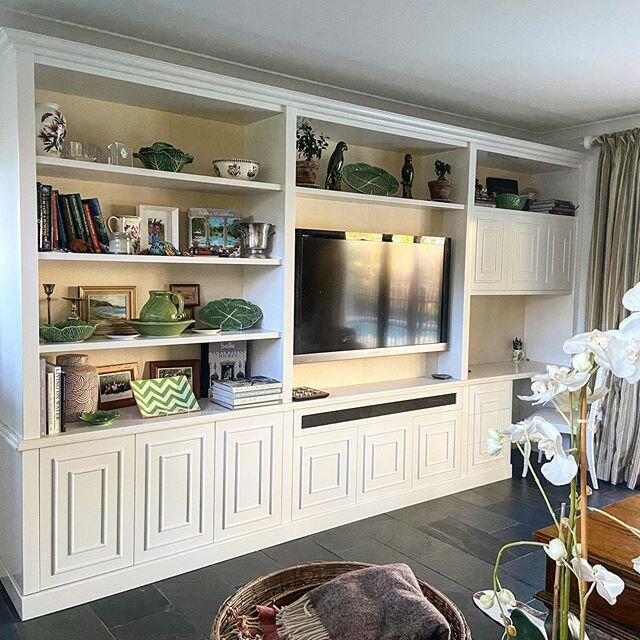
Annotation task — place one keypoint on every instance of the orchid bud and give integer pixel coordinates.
(556, 550)
(582, 361)
(487, 599)
(507, 598)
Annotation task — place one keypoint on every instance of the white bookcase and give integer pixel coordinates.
(256, 476)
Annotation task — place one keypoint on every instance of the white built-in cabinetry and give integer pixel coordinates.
(521, 252)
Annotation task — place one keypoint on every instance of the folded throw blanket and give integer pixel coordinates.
(375, 603)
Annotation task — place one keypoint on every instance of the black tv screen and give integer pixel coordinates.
(357, 293)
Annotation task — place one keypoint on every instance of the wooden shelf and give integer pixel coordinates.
(347, 196)
(99, 172)
(95, 344)
(61, 256)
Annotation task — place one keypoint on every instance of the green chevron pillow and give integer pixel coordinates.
(164, 396)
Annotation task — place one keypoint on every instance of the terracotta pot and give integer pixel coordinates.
(307, 172)
(440, 189)
(80, 385)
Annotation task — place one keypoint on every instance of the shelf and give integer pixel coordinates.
(348, 196)
(99, 172)
(95, 344)
(61, 256)
(534, 214)
(505, 370)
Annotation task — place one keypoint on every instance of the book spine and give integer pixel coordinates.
(69, 224)
(98, 221)
(229, 405)
(63, 243)
(245, 402)
(223, 393)
(57, 399)
(51, 403)
(63, 396)
(39, 213)
(95, 243)
(78, 216)
(246, 389)
(43, 397)
(46, 216)
(55, 232)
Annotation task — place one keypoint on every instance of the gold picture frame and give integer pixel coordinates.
(107, 305)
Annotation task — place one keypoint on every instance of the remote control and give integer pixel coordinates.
(307, 393)
(441, 376)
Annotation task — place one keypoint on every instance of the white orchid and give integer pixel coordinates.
(608, 584)
(562, 467)
(623, 351)
(636, 564)
(631, 299)
(543, 389)
(556, 550)
(568, 379)
(582, 361)
(595, 342)
(495, 440)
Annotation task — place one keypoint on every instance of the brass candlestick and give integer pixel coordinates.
(48, 289)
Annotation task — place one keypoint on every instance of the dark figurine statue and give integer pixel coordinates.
(407, 176)
(334, 170)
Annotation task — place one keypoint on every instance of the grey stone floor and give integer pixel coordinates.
(450, 542)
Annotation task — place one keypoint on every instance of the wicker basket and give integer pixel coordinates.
(287, 585)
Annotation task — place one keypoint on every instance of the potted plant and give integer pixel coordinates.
(441, 188)
(309, 145)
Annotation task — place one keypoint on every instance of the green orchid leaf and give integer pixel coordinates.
(364, 178)
(229, 314)
(526, 628)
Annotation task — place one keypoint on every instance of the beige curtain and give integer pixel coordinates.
(614, 268)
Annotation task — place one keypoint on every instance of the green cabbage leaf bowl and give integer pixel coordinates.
(163, 156)
(67, 331)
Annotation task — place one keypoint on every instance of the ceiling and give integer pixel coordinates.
(536, 65)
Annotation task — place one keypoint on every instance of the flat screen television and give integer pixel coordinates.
(366, 294)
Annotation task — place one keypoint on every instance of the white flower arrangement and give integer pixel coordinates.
(618, 352)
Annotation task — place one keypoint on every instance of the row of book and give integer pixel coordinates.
(559, 207)
(246, 392)
(51, 398)
(63, 218)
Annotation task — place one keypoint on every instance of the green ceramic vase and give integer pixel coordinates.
(160, 307)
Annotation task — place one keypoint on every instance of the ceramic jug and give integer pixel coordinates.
(129, 225)
(160, 307)
(51, 128)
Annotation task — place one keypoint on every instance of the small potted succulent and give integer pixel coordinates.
(309, 145)
(517, 353)
(441, 188)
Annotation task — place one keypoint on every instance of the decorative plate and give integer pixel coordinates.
(164, 396)
(99, 418)
(206, 332)
(123, 336)
(365, 178)
(229, 314)
(163, 156)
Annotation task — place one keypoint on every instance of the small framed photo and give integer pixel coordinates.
(190, 293)
(158, 224)
(107, 305)
(171, 368)
(114, 385)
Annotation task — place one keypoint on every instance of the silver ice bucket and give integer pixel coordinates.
(255, 238)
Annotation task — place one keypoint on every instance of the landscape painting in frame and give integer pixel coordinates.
(108, 306)
(114, 385)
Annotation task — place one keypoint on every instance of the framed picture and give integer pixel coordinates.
(190, 293)
(172, 368)
(114, 385)
(214, 228)
(108, 305)
(158, 224)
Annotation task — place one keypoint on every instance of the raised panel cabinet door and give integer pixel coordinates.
(490, 269)
(437, 448)
(86, 509)
(490, 396)
(174, 491)
(324, 472)
(383, 459)
(526, 266)
(480, 425)
(248, 475)
(559, 267)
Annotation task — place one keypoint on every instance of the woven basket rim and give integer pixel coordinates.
(447, 608)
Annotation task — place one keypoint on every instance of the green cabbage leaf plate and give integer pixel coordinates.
(229, 314)
(365, 178)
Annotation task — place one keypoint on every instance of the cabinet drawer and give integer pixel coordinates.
(437, 441)
(490, 396)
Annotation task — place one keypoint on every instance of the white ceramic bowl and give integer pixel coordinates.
(236, 168)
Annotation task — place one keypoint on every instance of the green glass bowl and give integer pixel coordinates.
(510, 201)
(99, 418)
(160, 329)
(67, 331)
(163, 156)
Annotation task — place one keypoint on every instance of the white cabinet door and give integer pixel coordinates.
(384, 460)
(490, 264)
(480, 424)
(437, 448)
(324, 472)
(86, 509)
(488, 397)
(248, 475)
(559, 267)
(174, 491)
(527, 260)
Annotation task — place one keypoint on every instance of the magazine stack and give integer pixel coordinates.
(246, 392)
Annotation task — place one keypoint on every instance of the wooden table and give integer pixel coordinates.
(613, 547)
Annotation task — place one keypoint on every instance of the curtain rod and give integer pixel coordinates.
(589, 141)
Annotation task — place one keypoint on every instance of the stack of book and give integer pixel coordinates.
(66, 217)
(51, 398)
(246, 392)
(560, 207)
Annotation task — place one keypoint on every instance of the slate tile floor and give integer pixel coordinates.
(450, 543)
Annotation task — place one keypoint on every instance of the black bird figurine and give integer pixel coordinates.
(407, 176)
(334, 170)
